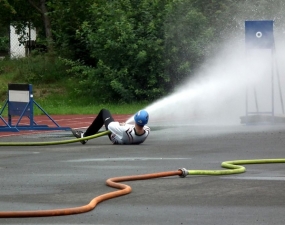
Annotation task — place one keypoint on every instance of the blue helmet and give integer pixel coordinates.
(141, 118)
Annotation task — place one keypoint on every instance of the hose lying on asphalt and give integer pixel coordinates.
(54, 142)
(232, 166)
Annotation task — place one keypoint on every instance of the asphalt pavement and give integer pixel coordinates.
(71, 175)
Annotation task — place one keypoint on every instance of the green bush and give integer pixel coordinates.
(40, 68)
(4, 44)
(143, 49)
(187, 34)
(125, 38)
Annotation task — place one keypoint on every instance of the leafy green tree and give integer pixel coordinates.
(41, 7)
(187, 35)
(67, 17)
(125, 38)
(142, 49)
(132, 50)
(22, 13)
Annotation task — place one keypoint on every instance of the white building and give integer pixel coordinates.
(16, 48)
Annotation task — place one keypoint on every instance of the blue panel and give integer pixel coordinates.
(259, 34)
(17, 108)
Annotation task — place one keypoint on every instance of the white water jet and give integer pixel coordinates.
(217, 93)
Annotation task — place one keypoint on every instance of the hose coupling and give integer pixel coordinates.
(184, 172)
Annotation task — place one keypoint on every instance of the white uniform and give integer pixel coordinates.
(124, 135)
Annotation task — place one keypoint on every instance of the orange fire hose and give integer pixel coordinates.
(233, 167)
(112, 182)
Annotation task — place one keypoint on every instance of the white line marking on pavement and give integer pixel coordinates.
(124, 159)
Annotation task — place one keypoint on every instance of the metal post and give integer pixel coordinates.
(31, 105)
(272, 84)
(278, 77)
(256, 103)
(246, 105)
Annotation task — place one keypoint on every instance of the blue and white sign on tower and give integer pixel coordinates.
(259, 34)
(259, 39)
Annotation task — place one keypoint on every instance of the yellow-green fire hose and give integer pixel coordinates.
(54, 142)
(231, 167)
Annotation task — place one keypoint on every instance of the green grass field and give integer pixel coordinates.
(54, 95)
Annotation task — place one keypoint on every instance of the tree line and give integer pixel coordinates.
(133, 50)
